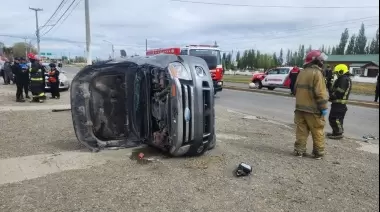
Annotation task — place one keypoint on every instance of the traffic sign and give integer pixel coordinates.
(44, 53)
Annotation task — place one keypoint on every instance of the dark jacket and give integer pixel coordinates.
(341, 89)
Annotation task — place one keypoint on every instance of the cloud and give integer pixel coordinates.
(166, 24)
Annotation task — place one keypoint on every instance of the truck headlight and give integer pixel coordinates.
(177, 70)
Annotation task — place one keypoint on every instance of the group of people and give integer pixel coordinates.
(31, 77)
(313, 90)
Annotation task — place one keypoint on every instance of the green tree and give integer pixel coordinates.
(351, 45)
(361, 41)
(374, 46)
(288, 57)
(333, 50)
(329, 50)
(281, 57)
(19, 49)
(343, 42)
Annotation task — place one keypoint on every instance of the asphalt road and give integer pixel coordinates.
(352, 96)
(359, 121)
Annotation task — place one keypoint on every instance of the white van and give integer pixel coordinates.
(277, 78)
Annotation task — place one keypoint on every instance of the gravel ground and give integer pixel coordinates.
(346, 180)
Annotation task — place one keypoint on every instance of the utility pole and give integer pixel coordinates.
(26, 48)
(88, 31)
(36, 10)
(146, 45)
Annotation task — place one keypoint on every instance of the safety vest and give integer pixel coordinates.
(52, 78)
(36, 75)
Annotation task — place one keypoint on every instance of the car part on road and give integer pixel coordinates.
(158, 100)
(243, 170)
(60, 110)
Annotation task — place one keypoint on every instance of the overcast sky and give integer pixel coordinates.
(127, 23)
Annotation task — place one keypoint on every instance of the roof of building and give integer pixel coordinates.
(353, 58)
(376, 63)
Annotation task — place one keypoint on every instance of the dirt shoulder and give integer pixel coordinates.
(346, 180)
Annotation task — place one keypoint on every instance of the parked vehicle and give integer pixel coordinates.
(64, 84)
(165, 101)
(273, 78)
(210, 53)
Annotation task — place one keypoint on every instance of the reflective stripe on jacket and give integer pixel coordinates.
(310, 89)
(341, 89)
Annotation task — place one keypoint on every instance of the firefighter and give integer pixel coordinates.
(37, 79)
(339, 95)
(311, 105)
(54, 81)
(329, 76)
(24, 77)
(293, 78)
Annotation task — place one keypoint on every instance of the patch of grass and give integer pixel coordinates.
(237, 78)
(357, 87)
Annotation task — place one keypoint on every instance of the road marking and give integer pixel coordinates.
(33, 107)
(30, 167)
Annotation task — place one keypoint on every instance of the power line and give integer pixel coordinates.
(277, 6)
(75, 6)
(55, 12)
(294, 32)
(60, 18)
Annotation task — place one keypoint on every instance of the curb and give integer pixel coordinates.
(351, 102)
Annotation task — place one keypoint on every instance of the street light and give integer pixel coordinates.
(113, 49)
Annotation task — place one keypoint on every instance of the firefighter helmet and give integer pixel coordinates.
(315, 56)
(31, 56)
(341, 69)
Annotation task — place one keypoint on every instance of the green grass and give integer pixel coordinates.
(357, 87)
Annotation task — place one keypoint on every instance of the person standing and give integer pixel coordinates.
(37, 79)
(54, 81)
(339, 95)
(24, 77)
(311, 105)
(8, 76)
(17, 71)
(377, 89)
(293, 78)
(329, 76)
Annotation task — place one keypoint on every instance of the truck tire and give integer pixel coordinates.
(271, 88)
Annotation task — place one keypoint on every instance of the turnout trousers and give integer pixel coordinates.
(307, 123)
(336, 118)
(37, 90)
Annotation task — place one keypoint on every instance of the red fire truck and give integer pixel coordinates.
(210, 53)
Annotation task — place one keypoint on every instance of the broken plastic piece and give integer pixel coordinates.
(243, 170)
(141, 156)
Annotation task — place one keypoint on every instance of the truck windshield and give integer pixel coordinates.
(210, 55)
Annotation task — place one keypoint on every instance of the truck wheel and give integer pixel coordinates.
(271, 88)
(212, 143)
(258, 83)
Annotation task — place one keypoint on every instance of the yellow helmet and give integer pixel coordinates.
(340, 69)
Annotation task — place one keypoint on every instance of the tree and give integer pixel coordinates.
(288, 57)
(351, 45)
(343, 42)
(361, 41)
(374, 46)
(333, 50)
(19, 49)
(281, 57)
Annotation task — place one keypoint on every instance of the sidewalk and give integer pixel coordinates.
(355, 97)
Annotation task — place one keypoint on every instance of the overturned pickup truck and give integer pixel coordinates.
(165, 101)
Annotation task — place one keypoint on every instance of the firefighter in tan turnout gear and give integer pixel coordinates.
(339, 95)
(311, 105)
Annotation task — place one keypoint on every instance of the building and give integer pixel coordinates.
(362, 66)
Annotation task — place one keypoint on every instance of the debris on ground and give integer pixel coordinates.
(370, 137)
(243, 170)
(61, 110)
